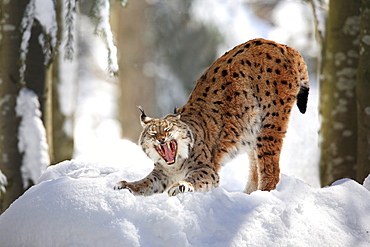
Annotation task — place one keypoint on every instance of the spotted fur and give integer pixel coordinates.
(240, 104)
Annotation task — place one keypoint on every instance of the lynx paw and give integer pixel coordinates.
(180, 187)
(122, 185)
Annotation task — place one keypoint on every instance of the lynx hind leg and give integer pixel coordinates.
(252, 183)
(268, 154)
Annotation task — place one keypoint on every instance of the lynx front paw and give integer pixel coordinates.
(122, 185)
(180, 187)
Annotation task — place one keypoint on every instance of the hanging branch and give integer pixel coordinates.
(317, 5)
(70, 25)
(100, 11)
(47, 38)
(26, 25)
(3, 183)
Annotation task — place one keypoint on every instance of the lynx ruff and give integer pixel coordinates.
(241, 104)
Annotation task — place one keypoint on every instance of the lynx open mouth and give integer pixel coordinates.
(167, 151)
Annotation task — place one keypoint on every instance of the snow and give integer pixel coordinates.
(74, 205)
(31, 137)
(45, 14)
(367, 182)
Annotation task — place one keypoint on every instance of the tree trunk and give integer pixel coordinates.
(35, 74)
(10, 40)
(59, 141)
(338, 94)
(131, 26)
(363, 95)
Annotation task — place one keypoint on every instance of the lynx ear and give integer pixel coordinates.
(144, 119)
(177, 113)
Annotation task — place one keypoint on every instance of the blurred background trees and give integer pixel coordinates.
(35, 66)
(344, 93)
(362, 94)
(11, 159)
(163, 50)
(166, 45)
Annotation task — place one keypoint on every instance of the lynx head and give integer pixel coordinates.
(166, 141)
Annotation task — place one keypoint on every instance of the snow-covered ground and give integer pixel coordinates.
(74, 205)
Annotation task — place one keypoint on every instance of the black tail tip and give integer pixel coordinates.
(302, 98)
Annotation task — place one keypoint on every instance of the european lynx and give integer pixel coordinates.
(241, 103)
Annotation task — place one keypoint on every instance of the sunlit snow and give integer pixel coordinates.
(74, 205)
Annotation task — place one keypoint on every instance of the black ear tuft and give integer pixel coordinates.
(143, 117)
(142, 112)
(175, 111)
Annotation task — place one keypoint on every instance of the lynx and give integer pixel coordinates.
(240, 104)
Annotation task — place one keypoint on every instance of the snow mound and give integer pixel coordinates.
(74, 205)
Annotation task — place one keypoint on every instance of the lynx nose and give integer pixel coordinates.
(162, 140)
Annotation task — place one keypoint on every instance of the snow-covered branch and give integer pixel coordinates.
(32, 137)
(319, 14)
(44, 12)
(70, 14)
(3, 183)
(101, 11)
(26, 25)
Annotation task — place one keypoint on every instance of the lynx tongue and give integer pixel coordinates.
(167, 151)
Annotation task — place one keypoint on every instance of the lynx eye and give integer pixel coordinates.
(152, 132)
(168, 128)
